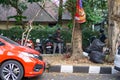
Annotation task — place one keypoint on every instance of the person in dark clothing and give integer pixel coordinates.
(102, 36)
(57, 41)
(92, 39)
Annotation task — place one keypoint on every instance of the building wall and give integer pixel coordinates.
(3, 25)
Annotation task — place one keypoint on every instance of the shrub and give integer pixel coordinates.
(37, 32)
(87, 33)
(43, 32)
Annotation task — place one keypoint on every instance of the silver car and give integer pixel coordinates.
(117, 60)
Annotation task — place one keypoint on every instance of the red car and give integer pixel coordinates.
(17, 61)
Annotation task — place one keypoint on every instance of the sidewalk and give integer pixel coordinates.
(58, 64)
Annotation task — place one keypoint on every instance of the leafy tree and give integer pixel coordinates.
(20, 6)
(34, 1)
(93, 15)
(95, 10)
(70, 5)
(60, 10)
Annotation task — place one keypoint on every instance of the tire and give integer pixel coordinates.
(11, 70)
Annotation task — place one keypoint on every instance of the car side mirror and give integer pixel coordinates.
(1, 43)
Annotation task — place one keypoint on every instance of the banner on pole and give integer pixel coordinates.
(80, 15)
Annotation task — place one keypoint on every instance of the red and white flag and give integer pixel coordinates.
(80, 15)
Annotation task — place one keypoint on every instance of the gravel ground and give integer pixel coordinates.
(60, 60)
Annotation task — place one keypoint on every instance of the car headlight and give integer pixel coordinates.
(32, 55)
(29, 54)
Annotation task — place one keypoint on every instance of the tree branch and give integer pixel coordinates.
(30, 25)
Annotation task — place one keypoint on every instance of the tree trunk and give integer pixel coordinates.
(60, 12)
(113, 29)
(77, 42)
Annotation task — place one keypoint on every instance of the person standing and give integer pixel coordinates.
(57, 41)
(102, 36)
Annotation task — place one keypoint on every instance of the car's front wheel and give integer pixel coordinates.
(11, 70)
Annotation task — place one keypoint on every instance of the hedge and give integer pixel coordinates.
(37, 32)
(43, 32)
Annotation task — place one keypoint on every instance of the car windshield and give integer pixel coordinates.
(10, 41)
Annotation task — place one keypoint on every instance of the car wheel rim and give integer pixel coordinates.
(11, 72)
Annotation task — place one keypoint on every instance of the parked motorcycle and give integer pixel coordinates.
(49, 45)
(39, 46)
(30, 44)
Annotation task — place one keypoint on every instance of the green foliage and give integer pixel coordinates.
(15, 31)
(70, 5)
(70, 25)
(34, 1)
(20, 6)
(37, 32)
(94, 15)
(45, 31)
(95, 10)
(8, 2)
(18, 18)
(87, 34)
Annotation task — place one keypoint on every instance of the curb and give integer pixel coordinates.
(82, 69)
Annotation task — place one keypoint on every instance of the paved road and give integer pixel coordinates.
(78, 76)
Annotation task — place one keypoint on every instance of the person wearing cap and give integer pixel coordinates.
(102, 36)
(57, 41)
